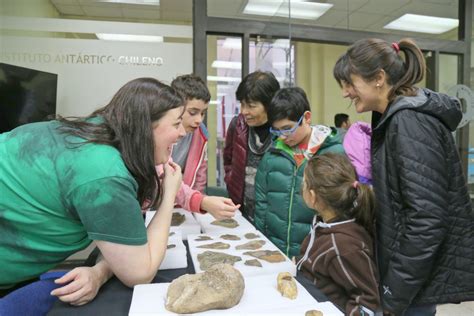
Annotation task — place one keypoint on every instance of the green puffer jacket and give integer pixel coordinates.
(280, 211)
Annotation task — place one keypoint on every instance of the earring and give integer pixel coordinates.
(378, 85)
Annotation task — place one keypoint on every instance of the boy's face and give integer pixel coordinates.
(194, 114)
(300, 131)
(346, 124)
(254, 113)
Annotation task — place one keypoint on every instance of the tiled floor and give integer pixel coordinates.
(463, 309)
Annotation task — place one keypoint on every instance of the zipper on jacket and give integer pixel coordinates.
(288, 232)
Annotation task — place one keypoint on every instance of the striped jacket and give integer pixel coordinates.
(339, 258)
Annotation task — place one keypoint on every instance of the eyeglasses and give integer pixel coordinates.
(287, 132)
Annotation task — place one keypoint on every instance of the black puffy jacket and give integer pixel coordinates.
(425, 221)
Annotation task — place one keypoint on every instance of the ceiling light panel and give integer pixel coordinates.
(297, 9)
(422, 24)
(130, 38)
(226, 64)
(138, 2)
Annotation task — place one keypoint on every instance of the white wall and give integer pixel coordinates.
(91, 71)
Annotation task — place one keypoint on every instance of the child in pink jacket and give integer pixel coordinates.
(191, 151)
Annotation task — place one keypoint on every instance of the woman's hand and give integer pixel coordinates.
(172, 178)
(219, 207)
(84, 284)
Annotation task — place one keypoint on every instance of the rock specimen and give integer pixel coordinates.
(203, 238)
(251, 245)
(177, 219)
(228, 222)
(313, 312)
(215, 245)
(253, 263)
(272, 256)
(230, 237)
(287, 285)
(221, 287)
(209, 258)
(251, 236)
(171, 246)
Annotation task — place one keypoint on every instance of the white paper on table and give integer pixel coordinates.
(267, 267)
(260, 297)
(175, 258)
(189, 226)
(205, 221)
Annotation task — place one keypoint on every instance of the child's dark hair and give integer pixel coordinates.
(258, 86)
(191, 87)
(367, 57)
(288, 103)
(340, 118)
(334, 180)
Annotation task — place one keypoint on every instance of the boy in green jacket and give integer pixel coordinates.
(280, 212)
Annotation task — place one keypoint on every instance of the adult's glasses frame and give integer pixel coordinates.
(287, 132)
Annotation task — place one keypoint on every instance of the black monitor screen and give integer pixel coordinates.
(26, 96)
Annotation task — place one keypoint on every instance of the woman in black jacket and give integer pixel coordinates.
(424, 219)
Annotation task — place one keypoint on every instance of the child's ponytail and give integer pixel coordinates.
(364, 205)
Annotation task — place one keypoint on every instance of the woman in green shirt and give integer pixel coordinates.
(67, 182)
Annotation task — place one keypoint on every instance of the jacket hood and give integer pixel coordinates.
(445, 108)
(335, 138)
(349, 228)
(322, 138)
(203, 131)
(345, 227)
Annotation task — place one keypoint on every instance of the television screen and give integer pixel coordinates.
(26, 96)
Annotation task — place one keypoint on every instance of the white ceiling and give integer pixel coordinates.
(179, 11)
(367, 15)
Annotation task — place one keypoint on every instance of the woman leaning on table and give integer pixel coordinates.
(66, 182)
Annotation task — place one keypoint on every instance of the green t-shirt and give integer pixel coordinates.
(56, 197)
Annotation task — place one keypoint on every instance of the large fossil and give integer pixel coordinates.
(209, 258)
(221, 287)
(228, 222)
(272, 256)
(287, 285)
(251, 245)
(215, 245)
(177, 219)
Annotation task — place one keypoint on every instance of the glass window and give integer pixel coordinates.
(277, 56)
(224, 74)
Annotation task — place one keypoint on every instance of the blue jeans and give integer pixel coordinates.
(423, 310)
